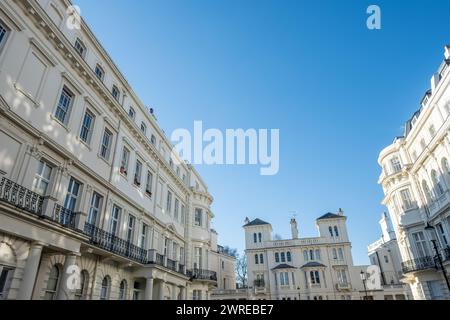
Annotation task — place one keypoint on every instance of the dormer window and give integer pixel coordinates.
(80, 48)
(99, 72)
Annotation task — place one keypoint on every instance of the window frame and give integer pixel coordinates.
(59, 111)
(90, 129)
(106, 132)
(81, 45)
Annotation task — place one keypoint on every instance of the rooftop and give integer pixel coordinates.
(256, 222)
(283, 266)
(330, 215)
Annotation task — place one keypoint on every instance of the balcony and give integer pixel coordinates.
(411, 217)
(64, 216)
(114, 244)
(446, 254)
(340, 286)
(202, 275)
(20, 197)
(418, 264)
(259, 283)
(172, 265)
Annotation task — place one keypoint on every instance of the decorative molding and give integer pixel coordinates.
(44, 52)
(21, 90)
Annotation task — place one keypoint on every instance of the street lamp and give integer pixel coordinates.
(363, 278)
(299, 298)
(432, 234)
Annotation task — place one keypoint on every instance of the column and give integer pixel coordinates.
(67, 286)
(30, 272)
(174, 292)
(161, 290)
(149, 289)
(183, 293)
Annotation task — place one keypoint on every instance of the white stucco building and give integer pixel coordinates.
(87, 177)
(385, 254)
(416, 182)
(314, 268)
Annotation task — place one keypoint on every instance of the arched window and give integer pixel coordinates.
(52, 283)
(305, 255)
(288, 256)
(105, 289)
(283, 257)
(260, 237)
(256, 259)
(7, 267)
(334, 254)
(123, 290)
(277, 257)
(80, 293)
(336, 233)
(426, 190)
(317, 254)
(331, 231)
(445, 165)
(311, 254)
(341, 254)
(261, 258)
(254, 238)
(436, 183)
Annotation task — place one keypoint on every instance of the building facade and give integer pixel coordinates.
(385, 254)
(416, 183)
(93, 203)
(317, 268)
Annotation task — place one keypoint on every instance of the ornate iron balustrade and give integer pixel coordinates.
(446, 254)
(110, 242)
(418, 264)
(64, 216)
(159, 259)
(259, 283)
(202, 274)
(172, 265)
(20, 197)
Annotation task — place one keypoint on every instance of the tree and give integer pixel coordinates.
(241, 270)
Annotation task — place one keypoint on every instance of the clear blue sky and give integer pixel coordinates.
(338, 92)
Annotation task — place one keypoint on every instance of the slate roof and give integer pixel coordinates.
(256, 222)
(330, 215)
(313, 264)
(283, 266)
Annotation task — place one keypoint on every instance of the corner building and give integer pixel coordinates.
(87, 177)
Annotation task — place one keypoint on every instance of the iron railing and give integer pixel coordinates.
(110, 242)
(20, 197)
(418, 264)
(202, 274)
(64, 216)
(171, 264)
(446, 254)
(259, 283)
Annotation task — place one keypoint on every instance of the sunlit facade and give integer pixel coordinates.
(416, 182)
(87, 177)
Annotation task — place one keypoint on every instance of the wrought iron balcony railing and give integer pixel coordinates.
(418, 264)
(446, 254)
(20, 197)
(259, 283)
(202, 274)
(110, 242)
(172, 265)
(64, 216)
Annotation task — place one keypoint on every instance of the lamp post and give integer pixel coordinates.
(432, 234)
(299, 297)
(363, 278)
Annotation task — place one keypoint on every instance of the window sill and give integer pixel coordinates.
(104, 159)
(84, 143)
(53, 118)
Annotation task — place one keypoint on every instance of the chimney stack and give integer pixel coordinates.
(247, 220)
(294, 229)
(340, 212)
